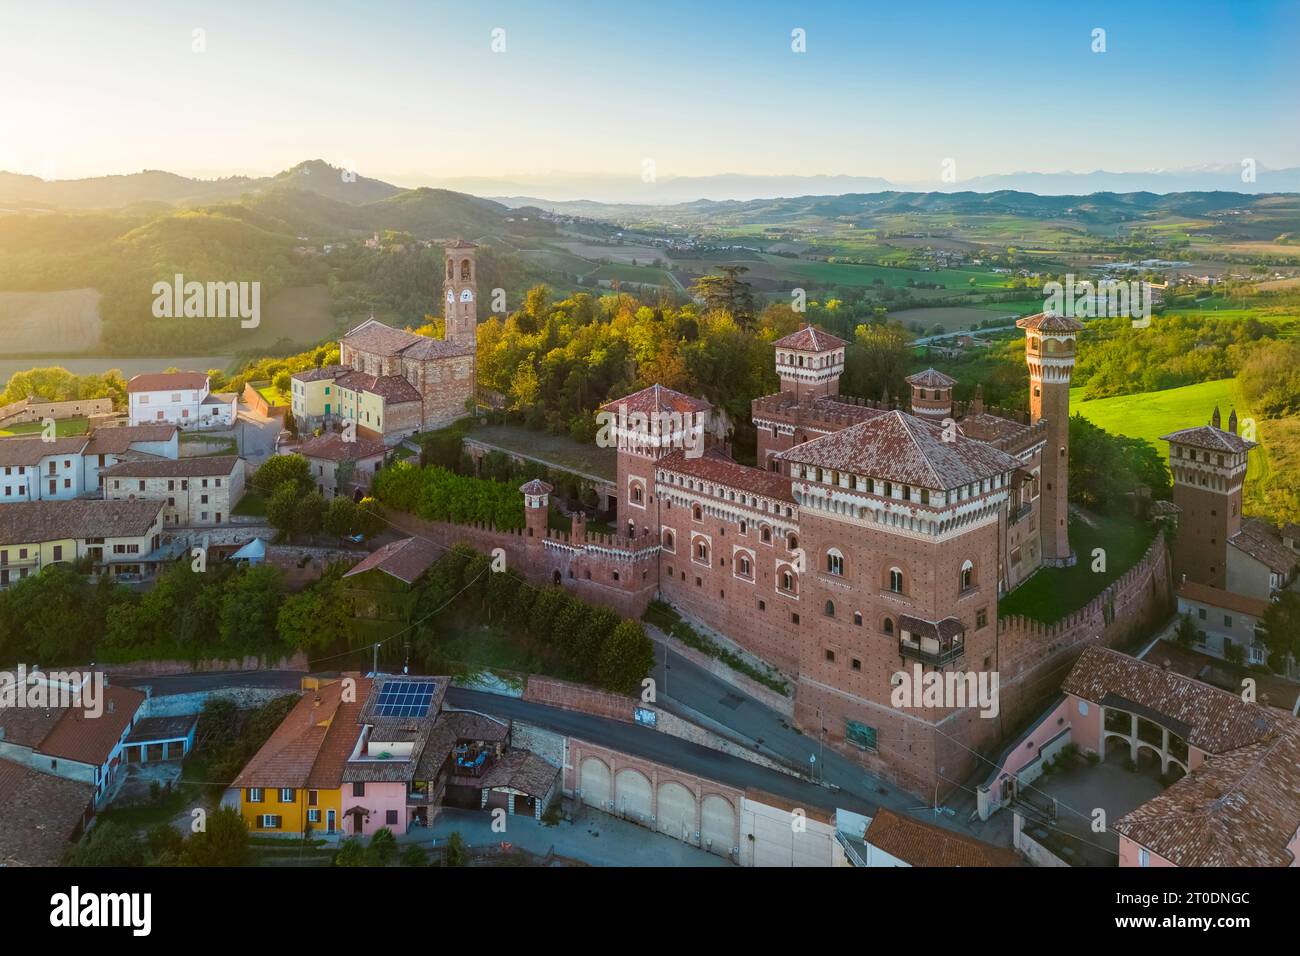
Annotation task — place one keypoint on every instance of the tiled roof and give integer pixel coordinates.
(989, 427)
(198, 467)
(902, 448)
(1257, 540)
(715, 466)
(919, 843)
(393, 389)
(1239, 808)
(405, 560)
(452, 727)
(536, 487)
(1210, 438)
(1209, 719)
(332, 447)
(39, 814)
(521, 770)
(150, 729)
(115, 441)
(657, 398)
(1164, 507)
(17, 452)
(312, 743)
(1214, 597)
(167, 381)
(949, 627)
(1049, 322)
(461, 244)
(323, 372)
(810, 339)
(931, 378)
(378, 339)
(89, 739)
(27, 522)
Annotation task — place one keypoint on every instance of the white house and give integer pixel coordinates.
(181, 398)
(35, 470)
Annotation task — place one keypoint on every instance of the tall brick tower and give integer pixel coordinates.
(1209, 469)
(460, 290)
(1049, 352)
(809, 363)
(537, 497)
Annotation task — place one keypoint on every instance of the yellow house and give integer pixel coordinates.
(314, 395)
(119, 537)
(295, 781)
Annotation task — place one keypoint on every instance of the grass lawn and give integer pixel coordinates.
(222, 445)
(491, 648)
(273, 395)
(1054, 592)
(251, 505)
(62, 428)
(555, 451)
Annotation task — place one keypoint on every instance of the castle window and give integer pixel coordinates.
(668, 540)
(857, 618)
(835, 562)
(792, 543)
(830, 656)
(762, 605)
(856, 664)
(702, 551)
(787, 581)
(829, 610)
(967, 576)
(888, 626)
(981, 618)
(896, 580)
(636, 494)
(464, 268)
(697, 513)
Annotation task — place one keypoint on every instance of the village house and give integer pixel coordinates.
(180, 398)
(32, 469)
(118, 537)
(195, 492)
(342, 467)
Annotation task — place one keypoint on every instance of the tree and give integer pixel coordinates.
(340, 518)
(279, 469)
(1281, 627)
(370, 518)
(222, 842)
(457, 855)
(1186, 633)
(352, 852)
(727, 293)
(249, 607)
(414, 855)
(107, 844)
(383, 847)
(626, 658)
(318, 618)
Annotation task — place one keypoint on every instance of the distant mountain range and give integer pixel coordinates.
(317, 176)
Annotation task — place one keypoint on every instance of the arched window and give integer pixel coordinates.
(896, 580)
(668, 539)
(464, 268)
(834, 562)
(830, 609)
(637, 496)
(967, 576)
(792, 542)
(745, 566)
(787, 581)
(888, 626)
(702, 550)
(451, 269)
(697, 513)
(767, 535)
(857, 618)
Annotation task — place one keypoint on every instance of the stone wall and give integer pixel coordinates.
(25, 410)
(295, 662)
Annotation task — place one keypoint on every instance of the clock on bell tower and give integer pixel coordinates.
(461, 293)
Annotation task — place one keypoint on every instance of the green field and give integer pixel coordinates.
(1054, 592)
(62, 428)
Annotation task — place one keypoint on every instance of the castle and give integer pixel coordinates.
(391, 383)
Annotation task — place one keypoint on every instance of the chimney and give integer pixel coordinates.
(1232, 421)
(1214, 419)
(977, 403)
(1165, 664)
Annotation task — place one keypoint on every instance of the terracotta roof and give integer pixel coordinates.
(931, 378)
(322, 372)
(332, 447)
(405, 560)
(115, 441)
(1207, 718)
(657, 398)
(1214, 597)
(198, 467)
(167, 381)
(716, 467)
(150, 729)
(378, 339)
(521, 770)
(536, 487)
(461, 244)
(27, 522)
(1210, 438)
(989, 427)
(312, 743)
(902, 448)
(39, 814)
(1049, 322)
(1163, 507)
(393, 389)
(452, 727)
(17, 452)
(89, 739)
(949, 627)
(919, 843)
(810, 339)
(1257, 540)
(1240, 808)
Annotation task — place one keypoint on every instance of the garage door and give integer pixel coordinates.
(632, 796)
(594, 783)
(717, 825)
(676, 812)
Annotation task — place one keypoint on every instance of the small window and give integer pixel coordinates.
(830, 656)
(829, 610)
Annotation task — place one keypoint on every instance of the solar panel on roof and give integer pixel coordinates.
(404, 698)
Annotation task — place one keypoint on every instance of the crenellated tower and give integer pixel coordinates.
(809, 363)
(1049, 353)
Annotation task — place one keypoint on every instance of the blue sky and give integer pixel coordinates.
(412, 91)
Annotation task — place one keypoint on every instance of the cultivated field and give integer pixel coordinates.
(952, 318)
(301, 314)
(48, 323)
